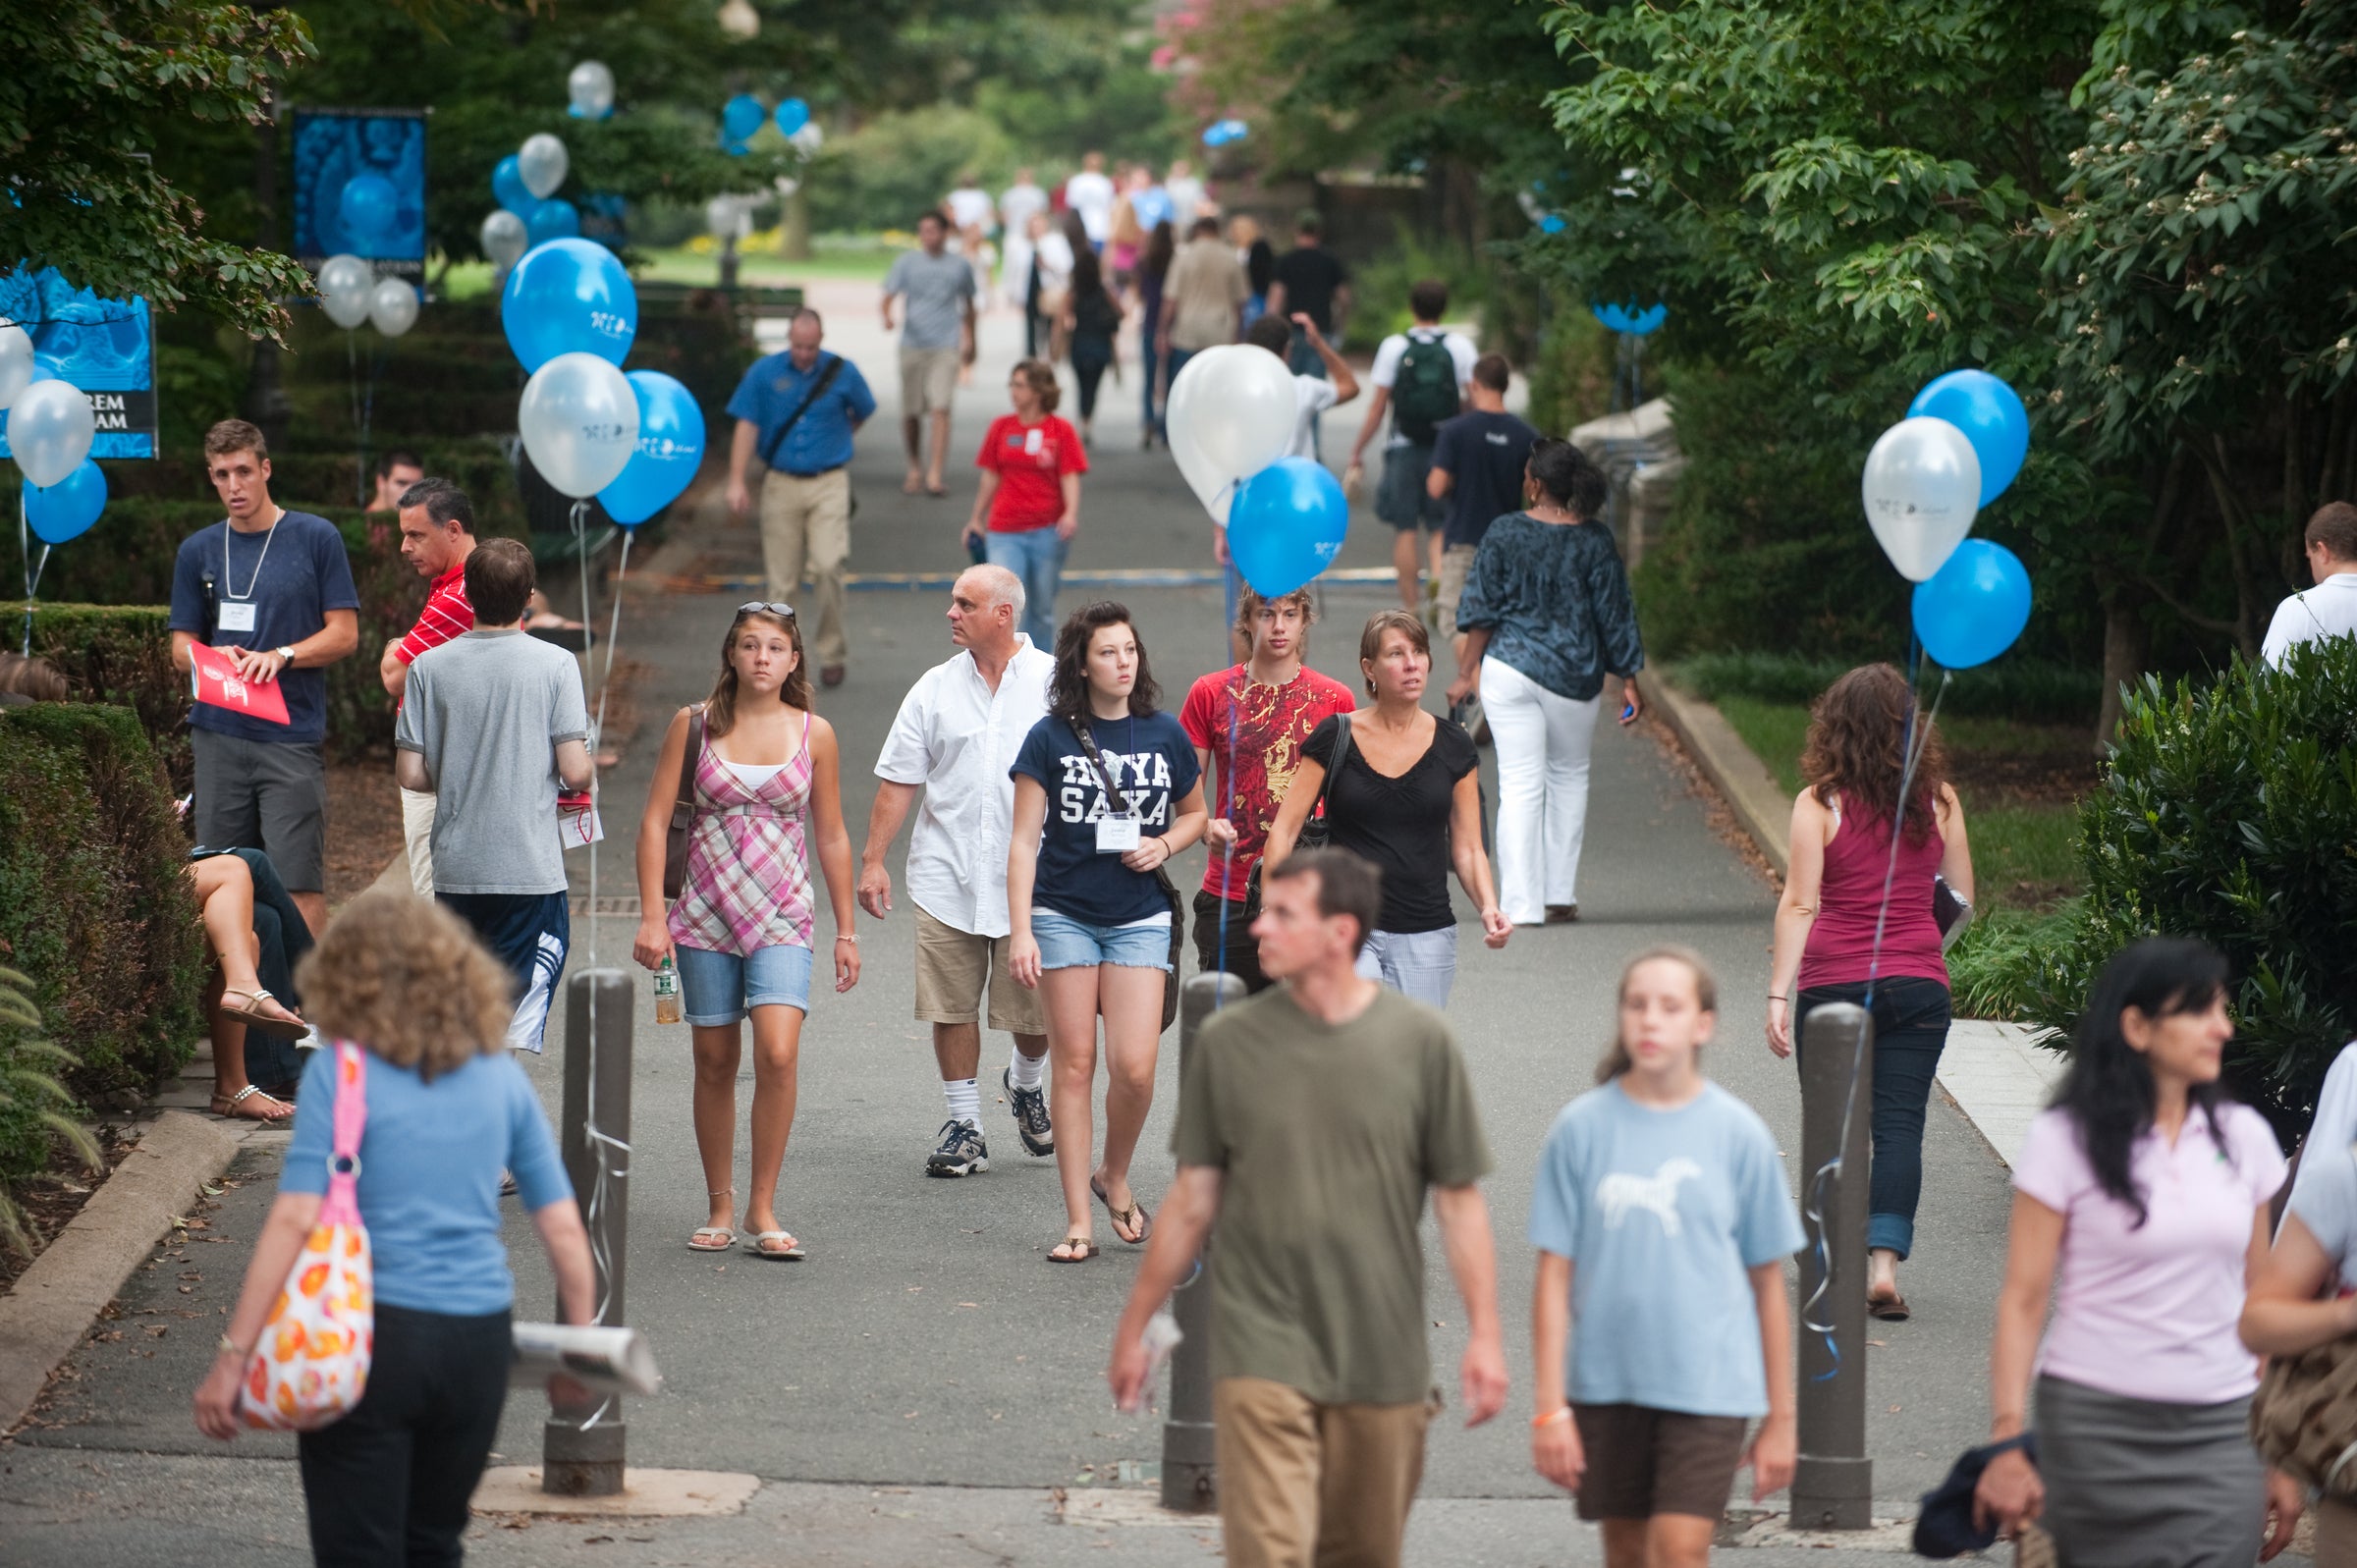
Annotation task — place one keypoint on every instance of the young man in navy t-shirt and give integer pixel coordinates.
(1478, 460)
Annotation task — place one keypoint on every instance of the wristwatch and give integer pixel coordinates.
(286, 652)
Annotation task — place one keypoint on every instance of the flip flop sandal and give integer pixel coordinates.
(252, 1016)
(1134, 1218)
(1076, 1249)
(792, 1252)
(728, 1238)
(1888, 1308)
(234, 1106)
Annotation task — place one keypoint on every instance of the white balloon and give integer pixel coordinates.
(542, 161)
(393, 306)
(808, 139)
(15, 361)
(1237, 421)
(1179, 417)
(725, 217)
(579, 421)
(739, 20)
(590, 86)
(50, 427)
(345, 283)
(1922, 487)
(504, 238)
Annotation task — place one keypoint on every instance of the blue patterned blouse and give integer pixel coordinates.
(1555, 599)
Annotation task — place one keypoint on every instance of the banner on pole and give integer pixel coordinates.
(359, 188)
(103, 347)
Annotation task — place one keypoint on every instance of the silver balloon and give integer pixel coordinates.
(725, 217)
(344, 283)
(739, 20)
(15, 361)
(393, 306)
(580, 421)
(542, 162)
(1921, 486)
(808, 139)
(590, 86)
(50, 427)
(504, 238)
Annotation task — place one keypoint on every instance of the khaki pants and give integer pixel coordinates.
(807, 527)
(417, 832)
(1303, 1483)
(1456, 562)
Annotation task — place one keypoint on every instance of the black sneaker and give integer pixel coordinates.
(1030, 1107)
(962, 1151)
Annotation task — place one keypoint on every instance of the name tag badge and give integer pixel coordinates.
(1031, 440)
(1117, 835)
(234, 617)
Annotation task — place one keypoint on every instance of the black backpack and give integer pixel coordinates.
(1424, 391)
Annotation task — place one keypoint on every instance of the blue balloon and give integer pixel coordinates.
(506, 184)
(1550, 223)
(1992, 417)
(1287, 526)
(670, 452)
(67, 509)
(1974, 606)
(566, 296)
(553, 219)
(793, 115)
(369, 205)
(1628, 318)
(741, 116)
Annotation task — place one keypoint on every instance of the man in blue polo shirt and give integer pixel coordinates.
(796, 412)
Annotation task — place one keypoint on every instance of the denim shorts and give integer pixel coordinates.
(1068, 944)
(718, 986)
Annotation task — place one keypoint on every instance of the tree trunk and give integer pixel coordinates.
(265, 391)
(2124, 661)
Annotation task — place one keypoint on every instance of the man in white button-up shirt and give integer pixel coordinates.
(956, 735)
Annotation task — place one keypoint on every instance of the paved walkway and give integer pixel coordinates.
(915, 1390)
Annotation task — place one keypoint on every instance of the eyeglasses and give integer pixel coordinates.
(757, 606)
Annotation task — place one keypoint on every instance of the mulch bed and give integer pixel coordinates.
(363, 824)
(49, 1202)
(2055, 771)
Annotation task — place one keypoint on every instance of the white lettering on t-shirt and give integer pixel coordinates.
(1081, 799)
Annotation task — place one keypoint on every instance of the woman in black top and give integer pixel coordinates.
(1407, 797)
(1092, 317)
(1152, 268)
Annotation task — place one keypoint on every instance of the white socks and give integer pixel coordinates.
(1027, 1072)
(965, 1099)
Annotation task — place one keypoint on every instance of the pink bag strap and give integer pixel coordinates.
(352, 1122)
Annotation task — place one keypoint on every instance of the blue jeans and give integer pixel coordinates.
(1149, 360)
(1036, 555)
(1418, 964)
(1910, 1029)
(1175, 358)
(718, 988)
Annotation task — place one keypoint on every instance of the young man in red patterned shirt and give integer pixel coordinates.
(437, 535)
(1268, 705)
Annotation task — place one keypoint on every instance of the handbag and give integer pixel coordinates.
(1170, 888)
(683, 810)
(310, 1364)
(1317, 832)
(2304, 1417)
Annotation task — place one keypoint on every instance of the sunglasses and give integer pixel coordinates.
(756, 606)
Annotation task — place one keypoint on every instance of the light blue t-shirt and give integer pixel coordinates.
(1662, 1213)
(430, 1158)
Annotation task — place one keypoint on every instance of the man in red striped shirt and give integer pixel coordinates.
(437, 535)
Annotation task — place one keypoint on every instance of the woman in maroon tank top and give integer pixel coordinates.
(1826, 923)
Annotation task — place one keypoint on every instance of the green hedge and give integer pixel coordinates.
(93, 904)
(2031, 690)
(122, 654)
(2229, 812)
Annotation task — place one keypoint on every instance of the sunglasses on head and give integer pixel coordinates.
(757, 606)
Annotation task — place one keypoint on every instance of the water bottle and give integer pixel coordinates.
(667, 992)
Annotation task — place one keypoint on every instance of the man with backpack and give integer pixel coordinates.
(797, 411)
(1420, 377)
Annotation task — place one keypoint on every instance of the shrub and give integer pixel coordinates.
(2030, 691)
(122, 654)
(32, 1103)
(2229, 812)
(92, 899)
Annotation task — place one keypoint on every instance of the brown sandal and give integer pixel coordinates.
(240, 1106)
(1132, 1224)
(1075, 1249)
(253, 1017)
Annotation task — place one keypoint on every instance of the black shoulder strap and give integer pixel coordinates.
(818, 389)
(1113, 791)
(1341, 749)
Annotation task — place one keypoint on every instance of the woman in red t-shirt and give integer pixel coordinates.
(1032, 464)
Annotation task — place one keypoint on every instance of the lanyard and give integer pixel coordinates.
(255, 580)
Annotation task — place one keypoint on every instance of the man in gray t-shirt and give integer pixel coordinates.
(938, 340)
(491, 723)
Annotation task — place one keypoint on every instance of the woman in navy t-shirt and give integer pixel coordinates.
(1091, 918)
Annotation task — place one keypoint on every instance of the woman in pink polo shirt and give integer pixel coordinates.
(2141, 1209)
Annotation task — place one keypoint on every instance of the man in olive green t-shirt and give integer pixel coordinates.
(1311, 1122)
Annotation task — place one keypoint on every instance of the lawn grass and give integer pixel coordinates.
(853, 258)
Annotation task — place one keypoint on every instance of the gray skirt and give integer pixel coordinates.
(2137, 1484)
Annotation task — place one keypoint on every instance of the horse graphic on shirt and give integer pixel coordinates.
(1656, 1194)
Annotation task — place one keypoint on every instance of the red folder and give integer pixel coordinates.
(213, 678)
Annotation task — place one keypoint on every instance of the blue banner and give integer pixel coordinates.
(105, 348)
(359, 188)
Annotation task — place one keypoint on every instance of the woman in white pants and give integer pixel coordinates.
(1547, 614)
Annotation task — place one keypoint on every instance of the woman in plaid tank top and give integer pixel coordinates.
(766, 797)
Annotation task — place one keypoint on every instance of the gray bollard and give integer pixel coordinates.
(1189, 1470)
(582, 1447)
(1833, 1487)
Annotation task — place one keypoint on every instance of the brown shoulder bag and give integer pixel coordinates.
(683, 810)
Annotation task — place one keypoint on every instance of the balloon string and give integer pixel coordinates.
(605, 686)
(351, 388)
(24, 550)
(581, 539)
(1236, 701)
